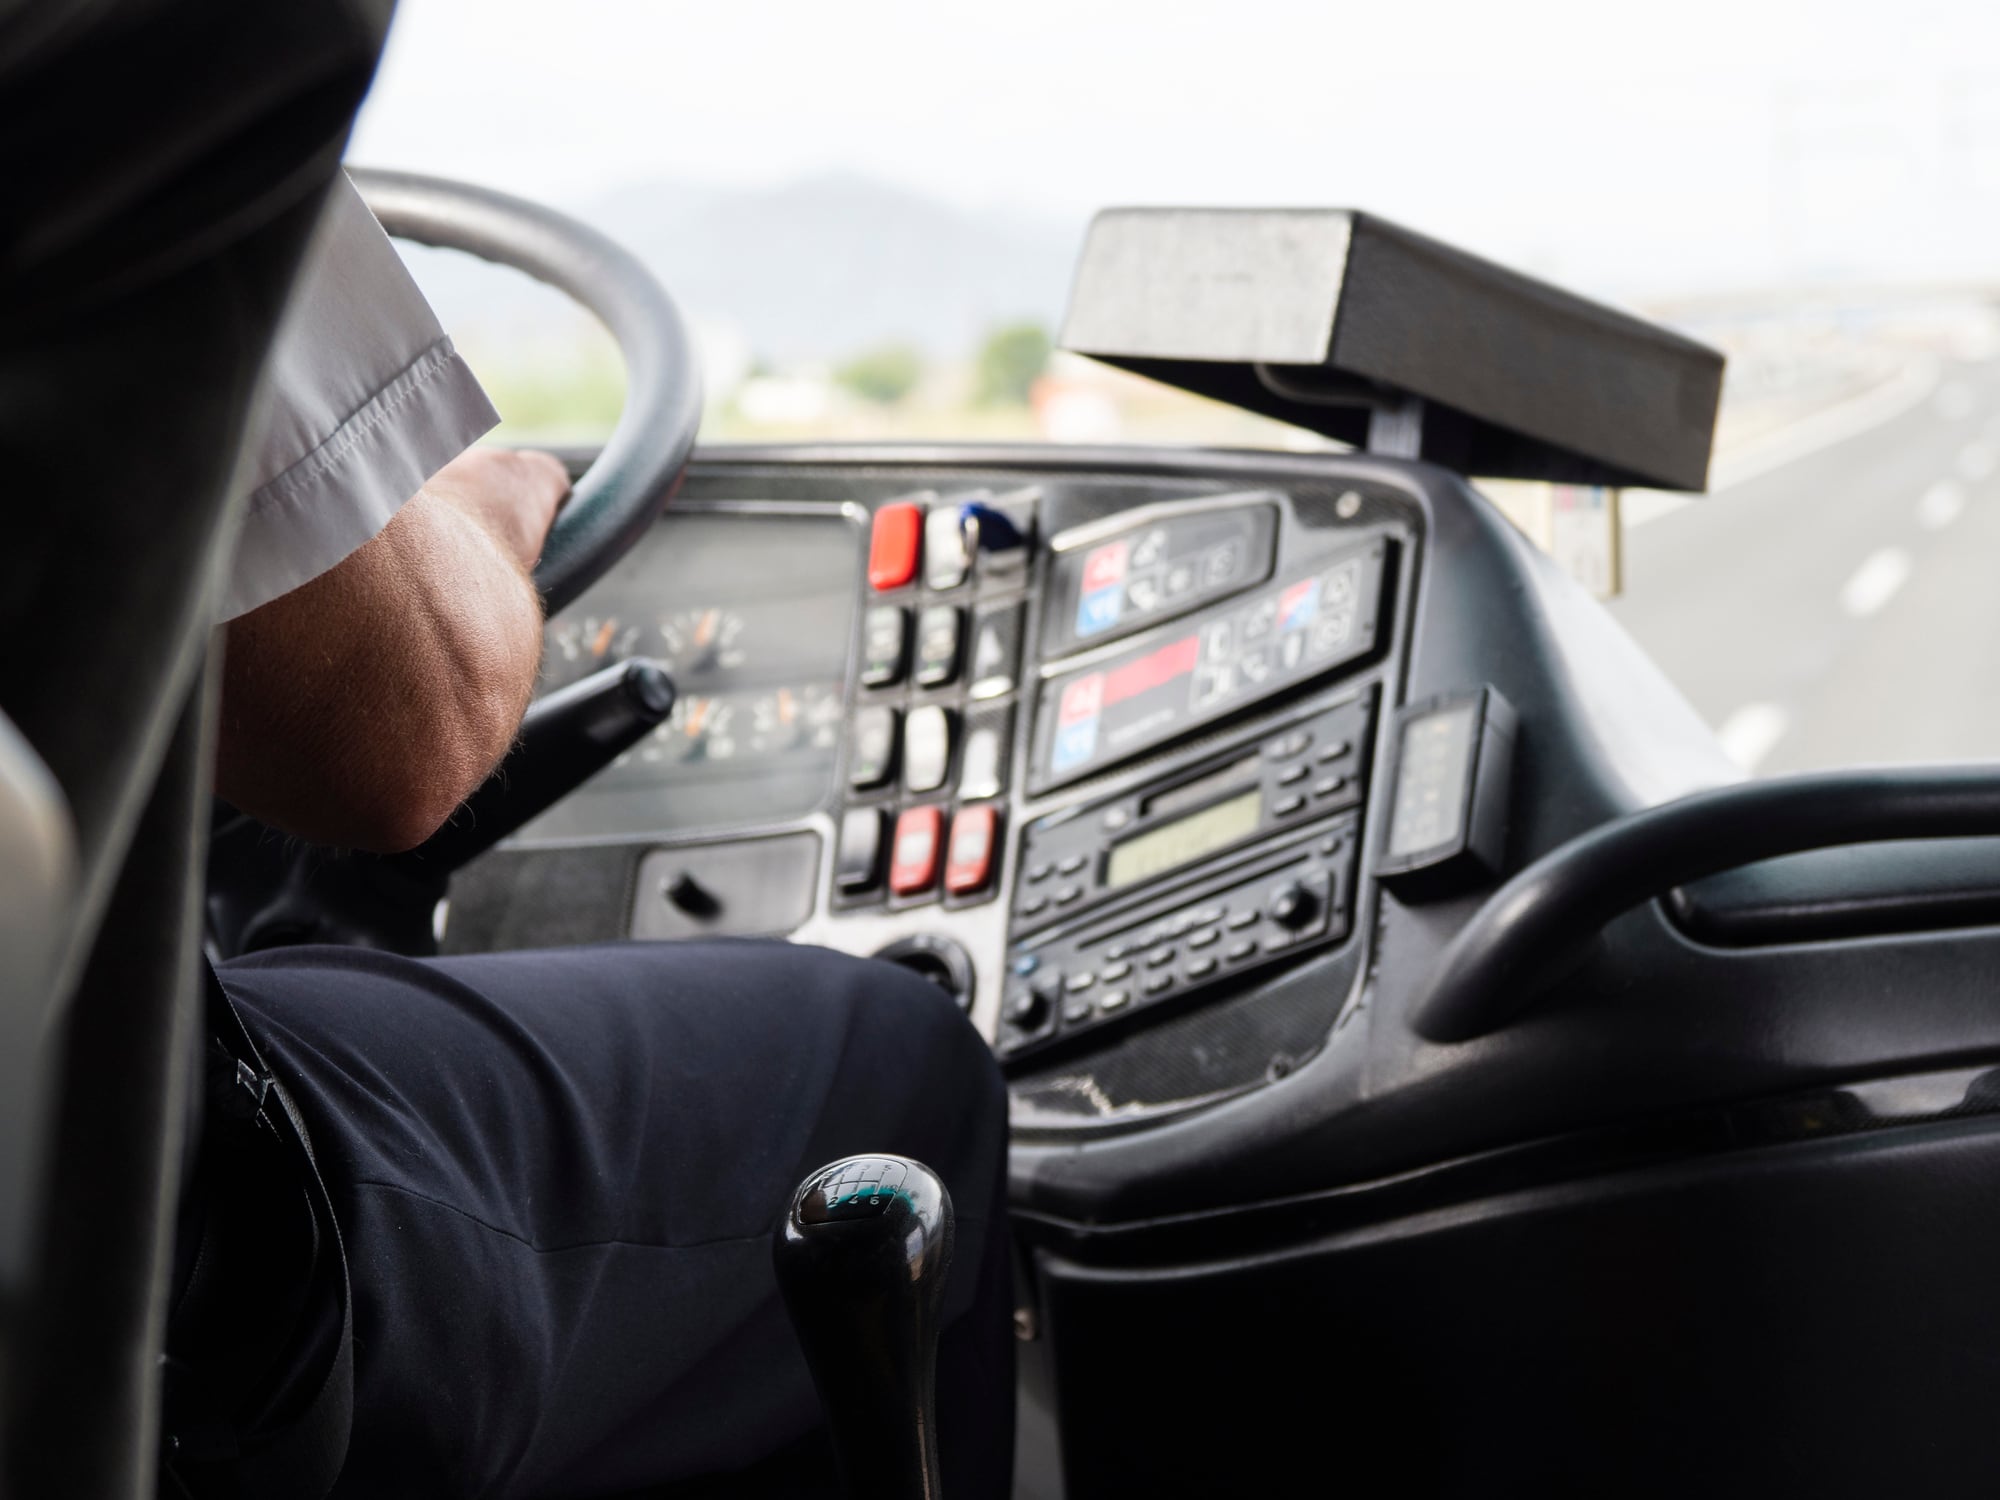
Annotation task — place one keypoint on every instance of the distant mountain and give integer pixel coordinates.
(813, 270)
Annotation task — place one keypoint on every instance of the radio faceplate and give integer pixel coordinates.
(1296, 774)
(1272, 902)
(1189, 881)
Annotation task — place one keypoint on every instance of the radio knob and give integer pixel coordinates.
(1292, 905)
(1029, 1009)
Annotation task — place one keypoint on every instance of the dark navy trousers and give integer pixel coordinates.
(557, 1173)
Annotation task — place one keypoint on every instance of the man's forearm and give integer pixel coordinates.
(362, 708)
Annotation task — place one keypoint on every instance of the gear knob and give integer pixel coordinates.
(861, 1260)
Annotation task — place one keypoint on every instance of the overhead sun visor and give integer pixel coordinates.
(1345, 323)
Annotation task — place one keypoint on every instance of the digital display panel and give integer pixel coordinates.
(1431, 775)
(1183, 841)
(1150, 693)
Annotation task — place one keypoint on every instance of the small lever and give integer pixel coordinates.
(861, 1260)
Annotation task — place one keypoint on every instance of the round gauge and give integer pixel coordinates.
(792, 718)
(581, 646)
(701, 730)
(823, 713)
(703, 640)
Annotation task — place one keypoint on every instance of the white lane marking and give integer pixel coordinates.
(1941, 504)
(1749, 734)
(1977, 461)
(1902, 392)
(1955, 401)
(1875, 582)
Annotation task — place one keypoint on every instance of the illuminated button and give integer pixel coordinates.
(1200, 968)
(893, 543)
(872, 757)
(1294, 773)
(995, 657)
(1333, 751)
(1286, 806)
(1113, 999)
(914, 867)
(1328, 786)
(1159, 984)
(1069, 895)
(937, 645)
(947, 547)
(1071, 863)
(926, 748)
(1033, 906)
(1078, 1009)
(1289, 745)
(1116, 971)
(1237, 952)
(1208, 937)
(1241, 919)
(1082, 980)
(885, 640)
(1040, 871)
(989, 742)
(1159, 958)
(970, 864)
(859, 865)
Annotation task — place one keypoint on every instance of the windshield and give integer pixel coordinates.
(871, 217)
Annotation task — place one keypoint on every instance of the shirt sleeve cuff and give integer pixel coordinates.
(340, 495)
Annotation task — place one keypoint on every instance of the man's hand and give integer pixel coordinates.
(360, 709)
(512, 493)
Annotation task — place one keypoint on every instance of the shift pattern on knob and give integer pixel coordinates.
(861, 1187)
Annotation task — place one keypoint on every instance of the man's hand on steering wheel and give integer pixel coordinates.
(513, 493)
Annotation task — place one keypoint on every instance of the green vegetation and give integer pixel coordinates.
(884, 376)
(1010, 361)
(540, 404)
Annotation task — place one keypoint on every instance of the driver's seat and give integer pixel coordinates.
(165, 162)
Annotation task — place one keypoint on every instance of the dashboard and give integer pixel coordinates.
(1093, 754)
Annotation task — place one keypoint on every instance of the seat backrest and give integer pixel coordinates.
(37, 884)
(164, 163)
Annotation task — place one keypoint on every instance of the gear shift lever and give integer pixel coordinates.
(861, 1260)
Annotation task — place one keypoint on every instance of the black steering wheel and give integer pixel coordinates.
(618, 497)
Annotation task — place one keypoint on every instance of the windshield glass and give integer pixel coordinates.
(871, 217)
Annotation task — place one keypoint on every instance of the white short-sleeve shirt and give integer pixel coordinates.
(366, 400)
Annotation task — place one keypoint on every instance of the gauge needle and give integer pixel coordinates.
(697, 712)
(786, 712)
(705, 627)
(603, 641)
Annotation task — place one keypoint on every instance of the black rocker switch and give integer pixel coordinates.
(861, 1260)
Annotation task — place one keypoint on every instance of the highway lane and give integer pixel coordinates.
(1845, 608)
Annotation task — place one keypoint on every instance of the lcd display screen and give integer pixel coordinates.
(1183, 841)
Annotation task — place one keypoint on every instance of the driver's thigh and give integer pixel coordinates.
(557, 1174)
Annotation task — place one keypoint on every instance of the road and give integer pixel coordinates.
(1843, 608)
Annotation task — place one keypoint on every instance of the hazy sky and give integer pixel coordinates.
(1631, 149)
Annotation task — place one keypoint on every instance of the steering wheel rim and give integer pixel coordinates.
(641, 465)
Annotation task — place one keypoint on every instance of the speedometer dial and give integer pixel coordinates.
(583, 645)
(703, 640)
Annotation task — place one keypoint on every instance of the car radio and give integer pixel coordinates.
(1190, 880)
